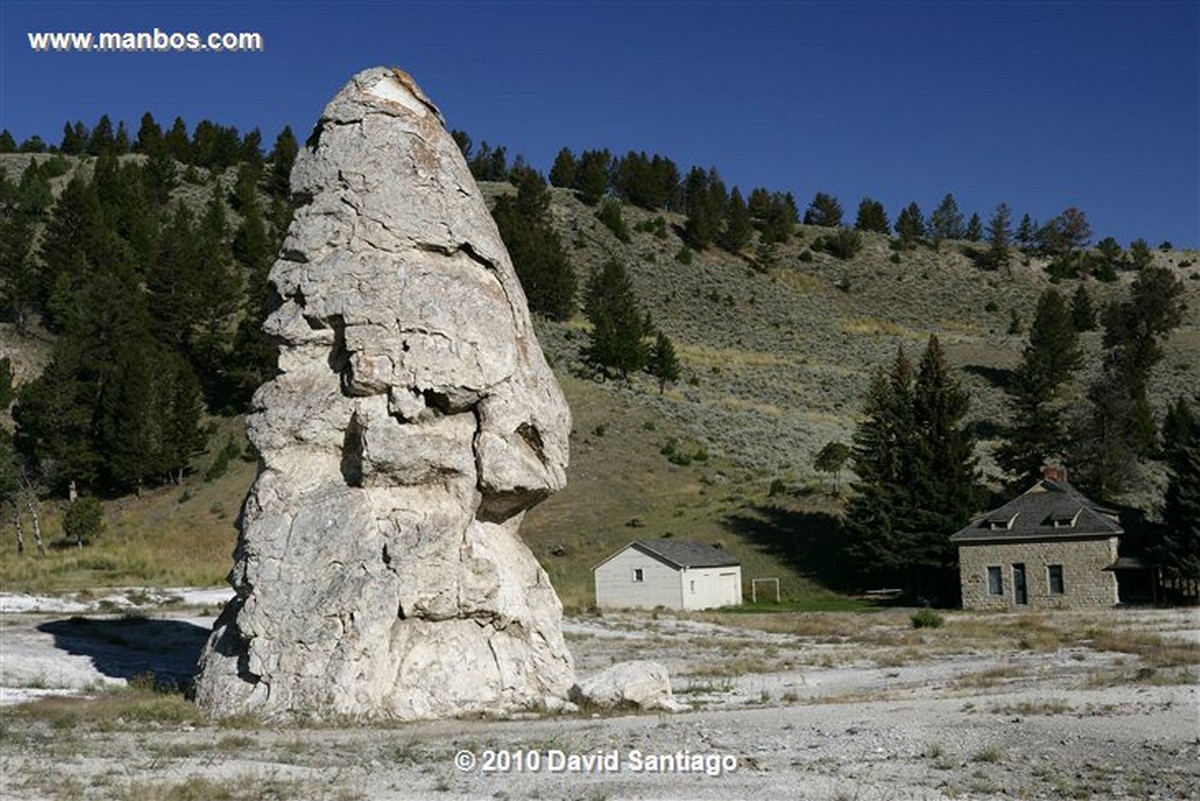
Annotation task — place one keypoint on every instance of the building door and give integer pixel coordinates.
(1019, 595)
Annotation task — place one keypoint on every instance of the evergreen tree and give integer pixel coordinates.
(910, 225)
(1038, 394)
(945, 479)
(883, 446)
(974, 229)
(149, 136)
(463, 140)
(871, 217)
(283, 156)
(592, 177)
(704, 201)
(1120, 428)
(1177, 548)
(918, 482)
(74, 140)
(18, 273)
(1083, 311)
(101, 140)
(663, 363)
(738, 226)
(619, 326)
(540, 260)
(1000, 238)
(250, 151)
(1140, 256)
(565, 167)
(824, 210)
(7, 143)
(120, 144)
(779, 218)
(178, 143)
(1025, 231)
(947, 221)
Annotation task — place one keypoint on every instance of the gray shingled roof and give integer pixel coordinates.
(1048, 510)
(686, 553)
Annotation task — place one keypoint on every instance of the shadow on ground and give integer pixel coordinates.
(123, 648)
(811, 543)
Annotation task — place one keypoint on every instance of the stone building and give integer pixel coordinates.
(676, 574)
(1048, 548)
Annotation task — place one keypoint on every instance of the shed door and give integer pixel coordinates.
(1019, 594)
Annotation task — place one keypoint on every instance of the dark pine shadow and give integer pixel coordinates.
(998, 377)
(811, 543)
(123, 648)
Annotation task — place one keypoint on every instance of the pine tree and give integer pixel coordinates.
(1177, 548)
(591, 179)
(1140, 256)
(149, 136)
(178, 143)
(1038, 394)
(7, 143)
(619, 326)
(946, 222)
(871, 217)
(883, 445)
(663, 364)
(974, 229)
(1120, 427)
(824, 210)
(1083, 311)
(738, 226)
(704, 200)
(1025, 231)
(564, 169)
(75, 139)
(283, 157)
(540, 260)
(945, 479)
(101, 140)
(1000, 238)
(910, 225)
(918, 482)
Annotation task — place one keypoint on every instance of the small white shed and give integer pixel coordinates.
(676, 574)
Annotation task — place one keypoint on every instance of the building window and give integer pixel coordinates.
(995, 581)
(637, 575)
(693, 586)
(1055, 574)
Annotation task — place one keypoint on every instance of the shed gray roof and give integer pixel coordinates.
(1047, 510)
(686, 553)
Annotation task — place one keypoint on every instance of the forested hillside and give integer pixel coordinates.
(730, 357)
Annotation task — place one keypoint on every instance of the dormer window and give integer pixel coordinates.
(1001, 521)
(1065, 518)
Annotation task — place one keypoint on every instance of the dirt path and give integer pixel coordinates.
(832, 707)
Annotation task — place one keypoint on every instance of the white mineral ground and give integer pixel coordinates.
(805, 716)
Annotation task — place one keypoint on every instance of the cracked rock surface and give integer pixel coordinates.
(379, 571)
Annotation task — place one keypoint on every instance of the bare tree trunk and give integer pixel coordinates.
(31, 499)
(17, 525)
(29, 492)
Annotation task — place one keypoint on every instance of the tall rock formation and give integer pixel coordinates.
(379, 571)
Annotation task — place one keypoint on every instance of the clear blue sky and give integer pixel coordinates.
(1043, 105)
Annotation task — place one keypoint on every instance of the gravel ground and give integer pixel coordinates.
(836, 706)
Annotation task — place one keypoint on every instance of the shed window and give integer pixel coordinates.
(995, 580)
(1055, 574)
(637, 575)
(693, 586)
